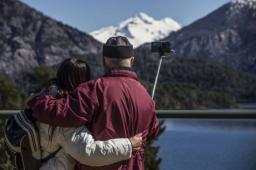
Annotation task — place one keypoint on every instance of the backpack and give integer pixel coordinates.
(23, 142)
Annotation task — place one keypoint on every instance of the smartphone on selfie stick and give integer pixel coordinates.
(163, 48)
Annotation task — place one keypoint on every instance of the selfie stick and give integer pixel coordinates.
(157, 74)
(172, 52)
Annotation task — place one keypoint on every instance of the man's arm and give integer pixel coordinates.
(73, 111)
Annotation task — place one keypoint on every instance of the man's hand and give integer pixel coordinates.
(136, 141)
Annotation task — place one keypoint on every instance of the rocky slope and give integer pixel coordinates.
(28, 39)
(227, 36)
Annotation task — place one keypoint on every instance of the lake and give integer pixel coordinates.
(208, 145)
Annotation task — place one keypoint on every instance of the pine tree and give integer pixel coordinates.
(152, 160)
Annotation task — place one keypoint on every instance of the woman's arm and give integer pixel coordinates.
(80, 144)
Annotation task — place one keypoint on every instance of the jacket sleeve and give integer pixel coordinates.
(73, 111)
(80, 144)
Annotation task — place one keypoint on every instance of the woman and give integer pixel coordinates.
(77, 144)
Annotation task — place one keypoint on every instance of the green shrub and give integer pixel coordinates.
(10, 96)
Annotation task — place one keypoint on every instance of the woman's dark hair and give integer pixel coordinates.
(71, 73)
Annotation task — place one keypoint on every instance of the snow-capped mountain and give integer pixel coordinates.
(139, 29)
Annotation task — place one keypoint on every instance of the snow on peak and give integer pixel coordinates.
(143, 15)
(244, 3)
(139, 29)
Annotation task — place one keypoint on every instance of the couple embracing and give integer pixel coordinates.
(97, 124)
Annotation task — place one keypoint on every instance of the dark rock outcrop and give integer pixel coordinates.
(28, 39)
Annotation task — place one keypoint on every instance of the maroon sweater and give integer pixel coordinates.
(113, 106)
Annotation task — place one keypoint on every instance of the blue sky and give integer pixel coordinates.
(90, 15)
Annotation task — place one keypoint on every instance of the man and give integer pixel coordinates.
(115, 105)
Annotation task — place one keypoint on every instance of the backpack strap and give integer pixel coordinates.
(28, 126)
(27, 117)
(10, 145)
(50, 156)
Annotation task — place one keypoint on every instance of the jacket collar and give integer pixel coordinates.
(121, 72)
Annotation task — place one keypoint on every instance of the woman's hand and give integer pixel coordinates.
(136, 141)
(43, 92)
(32, 96)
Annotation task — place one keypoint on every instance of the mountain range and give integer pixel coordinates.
(29, 38)
(139, 29)
(214, 53)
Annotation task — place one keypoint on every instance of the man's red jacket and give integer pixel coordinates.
(113, 106)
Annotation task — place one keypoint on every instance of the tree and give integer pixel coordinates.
(10, 96)
(152, 160)
(38, 78)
